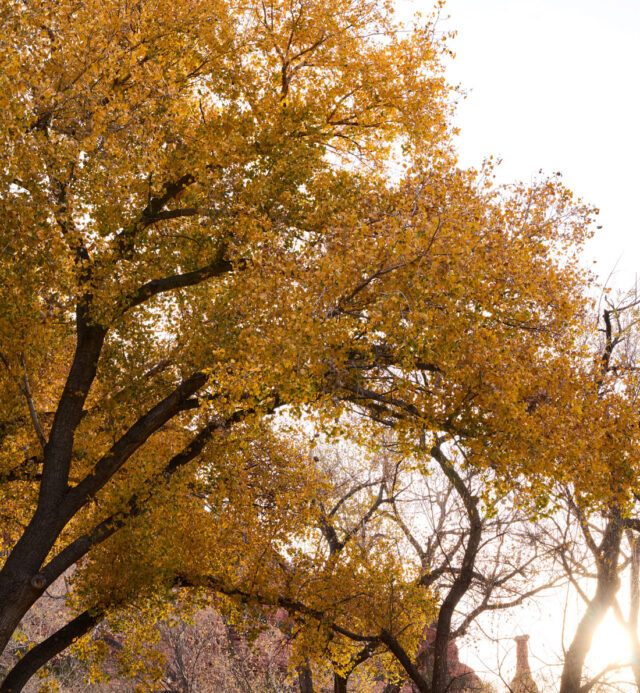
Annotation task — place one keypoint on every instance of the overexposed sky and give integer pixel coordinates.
(555, 85)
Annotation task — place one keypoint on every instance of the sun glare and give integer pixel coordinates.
(610, 644)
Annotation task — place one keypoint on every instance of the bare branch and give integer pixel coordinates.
(26, 391)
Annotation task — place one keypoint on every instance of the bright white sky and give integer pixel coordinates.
(555, 85)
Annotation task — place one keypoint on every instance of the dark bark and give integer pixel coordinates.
(131, 441)
(58, 451)
(305, 679)
(80, 547)
(440, 674)
(339, 684)
(152, 213)
(21, 578)
(153, 287)
(407, 663)
(42, 653)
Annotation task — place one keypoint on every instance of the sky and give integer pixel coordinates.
(555, 85)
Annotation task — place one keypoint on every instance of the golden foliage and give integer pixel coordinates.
(200, 225)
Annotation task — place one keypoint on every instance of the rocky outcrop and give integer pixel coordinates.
(523, 680)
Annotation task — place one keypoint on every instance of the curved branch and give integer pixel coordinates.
(401, 655)
(133, 439)
(25, 388)
(463, 579)
(153, 287)
(45, 651)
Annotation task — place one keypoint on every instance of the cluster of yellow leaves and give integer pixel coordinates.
(249, 527)
(106, 104)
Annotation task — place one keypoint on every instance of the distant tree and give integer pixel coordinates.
(595, 545)
(465, 556)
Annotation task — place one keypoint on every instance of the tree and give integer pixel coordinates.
(199, 227)
(597, 554)
(467, 557)
(347, 575)
(149, 152)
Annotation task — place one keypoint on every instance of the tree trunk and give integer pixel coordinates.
(305, 679)
(440, 674)
(339, 684)
(608, 584)
(21, 583)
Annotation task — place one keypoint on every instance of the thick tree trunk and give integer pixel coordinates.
(305, 679)
(571, 679)
(21, 582)
(23, 578)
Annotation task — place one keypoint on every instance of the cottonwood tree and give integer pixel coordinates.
(153, 156)
(590, 553)
(467, 556)
(360, 600)
(479, 556)
(198, 227)
(595, 545)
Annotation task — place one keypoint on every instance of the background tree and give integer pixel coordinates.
(595, 545)
(347, 575)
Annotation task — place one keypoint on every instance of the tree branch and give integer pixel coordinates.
(42, 653)
(26, 391)
(217, 268)
(401, 655)
(463, 579)
(135, 437)
(150, 214)
(110, 525)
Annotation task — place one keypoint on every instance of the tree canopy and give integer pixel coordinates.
(214, 211)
